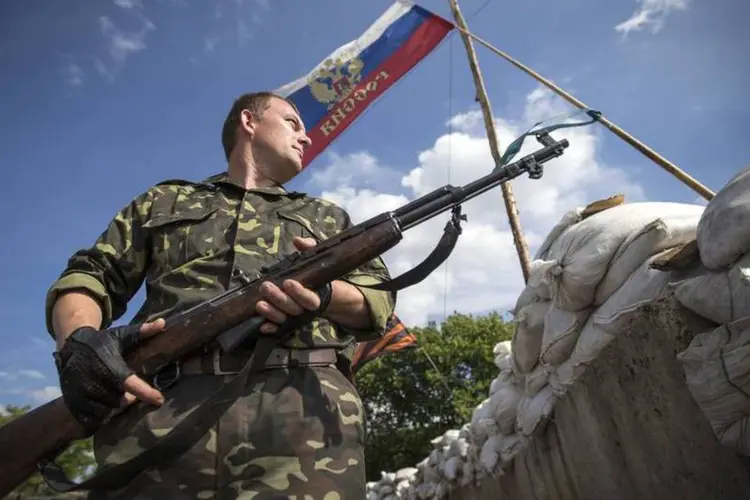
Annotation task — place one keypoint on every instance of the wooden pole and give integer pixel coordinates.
(489, 123)
(622, 134)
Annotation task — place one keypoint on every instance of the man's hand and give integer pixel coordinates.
(94, 378)
(291, 299)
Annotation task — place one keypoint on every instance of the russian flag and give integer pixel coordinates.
(336, 91)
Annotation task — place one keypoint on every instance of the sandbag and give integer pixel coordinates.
(527, 338)
(535, 380)
(582, 254)
(561, 330)
(568, 219)
(644, 285)
(502, 353)
(534, 411)
(652, 239)
(721, 296)
(717, 372)
(573, 217)
(737, 436)
(724, 229)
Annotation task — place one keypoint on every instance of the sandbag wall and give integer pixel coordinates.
(717, 362)
(596, 267)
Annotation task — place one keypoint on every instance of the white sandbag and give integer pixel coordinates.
(467, 473)
(737, 436)
(538, 286)
(723, 231)
(568, 219)
(405, 473)
(502, 348)
(534, 411)
(498, 412)
(528, 295)
(535, 380)
(661, 234)
(490, 455)
(644, 285)
(717, 371)
(483, 423)
(458, 448)
(527, 337)
(385, 490)
(721, 296)
(503, 378)
(507, 405)
(584, 251)
(561, 330)
(451, 468)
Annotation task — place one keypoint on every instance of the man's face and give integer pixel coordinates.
(279, 141)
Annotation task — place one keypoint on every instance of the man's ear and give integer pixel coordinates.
(247, 121)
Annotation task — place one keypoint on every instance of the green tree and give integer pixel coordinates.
(406, 402)
(77, 461)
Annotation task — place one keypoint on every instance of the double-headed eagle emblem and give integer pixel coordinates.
(335, 80)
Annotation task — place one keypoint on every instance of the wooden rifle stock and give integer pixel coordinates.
(46, 431)
(54, 427)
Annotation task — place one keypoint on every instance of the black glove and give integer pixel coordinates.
(92, 370)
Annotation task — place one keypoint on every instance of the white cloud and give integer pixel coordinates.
(44, 395)
(483, 272)
(73, 74)
(650, 13)
(21, 374)
(129, 4)
(122, 43)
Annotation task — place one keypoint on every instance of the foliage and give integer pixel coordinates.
(77, 461)
(406, 402)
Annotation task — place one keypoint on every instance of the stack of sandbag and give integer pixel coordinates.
(464, 457)
(717, 363)
(392, 485)
(591, 271)
(493, 424)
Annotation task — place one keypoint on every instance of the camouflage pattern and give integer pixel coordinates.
(295, 432)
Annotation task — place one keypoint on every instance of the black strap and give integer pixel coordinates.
(438, 255)
(179, 440)
(185, 434)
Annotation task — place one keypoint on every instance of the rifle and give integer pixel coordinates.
(226, 320)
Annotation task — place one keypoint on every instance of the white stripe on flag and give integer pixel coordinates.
(350, 49)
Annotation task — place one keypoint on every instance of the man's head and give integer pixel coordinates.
(268, 129)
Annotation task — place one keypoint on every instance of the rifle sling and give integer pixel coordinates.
(438, 255)
(191, 429)
(179, 440)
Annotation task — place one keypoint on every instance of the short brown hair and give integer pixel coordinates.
(256, 103)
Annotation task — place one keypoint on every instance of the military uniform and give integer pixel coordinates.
(297, 431)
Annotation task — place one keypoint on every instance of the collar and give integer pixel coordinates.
(223, 178)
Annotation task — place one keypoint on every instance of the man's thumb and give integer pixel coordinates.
(304, 243)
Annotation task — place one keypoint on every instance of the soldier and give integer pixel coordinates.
(297, 431)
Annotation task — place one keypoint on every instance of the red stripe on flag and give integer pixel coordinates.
(424, 39)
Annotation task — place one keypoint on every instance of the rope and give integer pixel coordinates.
(450, 161)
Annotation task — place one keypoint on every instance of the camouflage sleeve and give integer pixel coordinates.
(112, 270)
(380, 303)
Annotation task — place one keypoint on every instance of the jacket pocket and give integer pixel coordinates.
(298, 225)
(182, 236)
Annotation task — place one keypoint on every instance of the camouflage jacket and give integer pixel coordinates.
(187, 241)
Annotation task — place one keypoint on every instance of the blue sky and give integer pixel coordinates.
(102, 99)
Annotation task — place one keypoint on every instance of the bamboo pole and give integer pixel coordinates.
(489, 123)
(670, 167)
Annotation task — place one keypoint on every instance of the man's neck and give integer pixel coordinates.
(244, 171)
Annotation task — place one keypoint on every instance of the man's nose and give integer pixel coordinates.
(305, 140)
